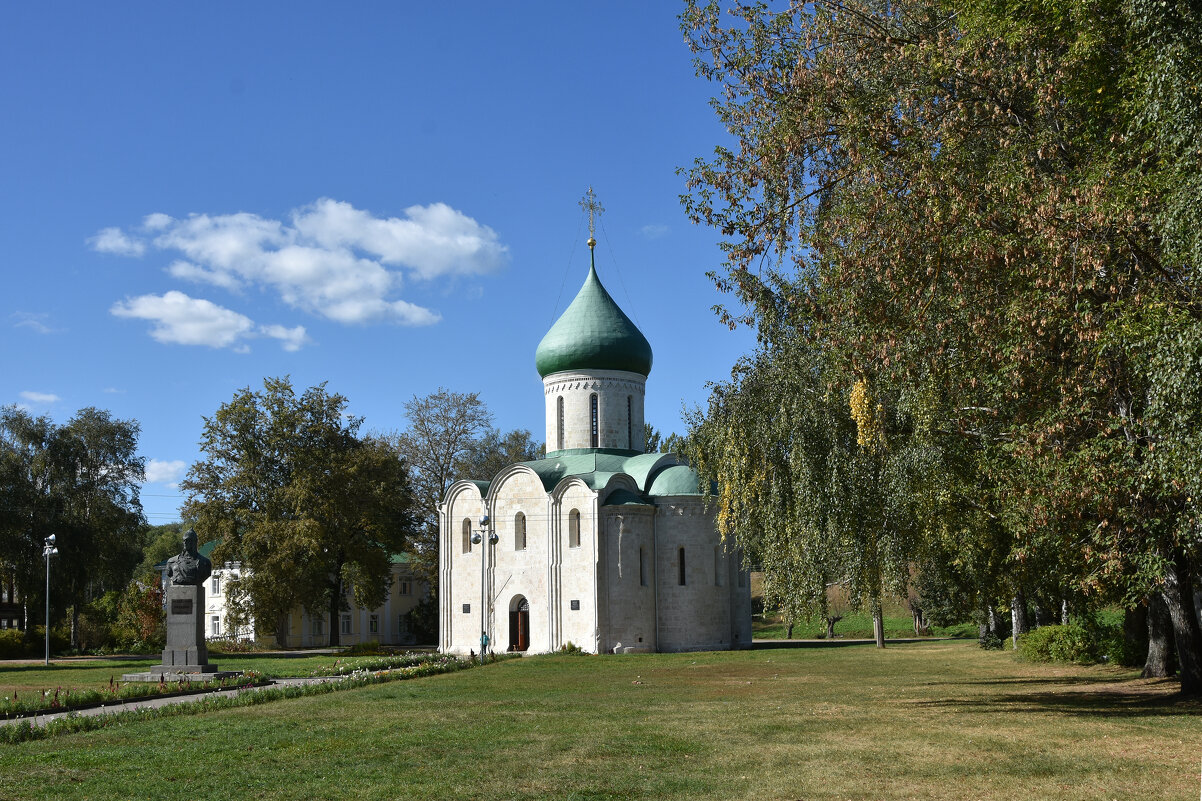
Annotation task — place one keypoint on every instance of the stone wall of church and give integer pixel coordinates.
(697, 604)
(628, 584)
(619, 409)
(577, 569)
(522, 554)
(459, 573)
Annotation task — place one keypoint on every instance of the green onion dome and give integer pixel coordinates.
(593, 334)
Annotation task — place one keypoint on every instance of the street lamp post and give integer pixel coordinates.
(48, 550)
(479, 538)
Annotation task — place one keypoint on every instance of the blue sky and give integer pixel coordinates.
(382, 196)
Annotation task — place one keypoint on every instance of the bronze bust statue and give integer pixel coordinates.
(188, 567)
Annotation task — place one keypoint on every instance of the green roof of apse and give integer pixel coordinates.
(594, 467)
(593, 334)
(677, 480)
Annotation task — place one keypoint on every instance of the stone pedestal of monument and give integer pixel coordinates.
(186, 654)
(186, 651)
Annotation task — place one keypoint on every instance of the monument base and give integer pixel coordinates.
(186, 655)
(156, 674)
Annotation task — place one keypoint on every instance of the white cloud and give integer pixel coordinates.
(182, 320)
(40, 397)
(292, 338)
(157, 221)
(187, 271)
(34, 322)
(161, 472)
(654, 231)
(330, 259)
(115, 241)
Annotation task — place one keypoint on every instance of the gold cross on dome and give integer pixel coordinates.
(594, 208)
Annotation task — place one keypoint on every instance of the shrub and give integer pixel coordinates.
(990, 641)
(12, 643)
(17, 644)
(369, 648)
(1083, 643)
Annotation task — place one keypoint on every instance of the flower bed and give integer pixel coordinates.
(63, 699)
(428, 665)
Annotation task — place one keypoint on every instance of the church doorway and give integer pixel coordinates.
(519, 624)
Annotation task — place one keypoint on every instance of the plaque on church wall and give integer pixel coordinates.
(181, 606)
(575, 606)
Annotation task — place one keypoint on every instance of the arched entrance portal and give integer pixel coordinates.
(519, 624)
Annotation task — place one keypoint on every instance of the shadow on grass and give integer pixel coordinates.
(1156, 700)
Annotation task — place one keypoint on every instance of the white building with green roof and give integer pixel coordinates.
(599, 544)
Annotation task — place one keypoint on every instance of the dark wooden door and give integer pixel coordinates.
(519, 626)
(523, 629)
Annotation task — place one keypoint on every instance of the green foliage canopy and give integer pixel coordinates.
(295, 494)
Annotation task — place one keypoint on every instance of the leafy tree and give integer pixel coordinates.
(80, 482)
(310, 507)
(998, 204)
(651, 438)
(444, 428)
(159, 543)
(494, 451)
(657, 443)
(140, 620)
(817, 485)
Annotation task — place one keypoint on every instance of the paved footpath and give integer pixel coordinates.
(154, 703)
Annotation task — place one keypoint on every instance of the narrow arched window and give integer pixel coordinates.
(574, 529)
(467, 535)
(519, 532)
(643, 567)
(595, 423)
(680, 557)
(559, 429)
(629, 423)
(717, 565)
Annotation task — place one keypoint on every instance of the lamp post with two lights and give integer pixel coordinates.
(48, 550)
(478, 537)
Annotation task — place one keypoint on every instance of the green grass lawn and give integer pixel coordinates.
(853, 626)
(95, 673)
(928, 720)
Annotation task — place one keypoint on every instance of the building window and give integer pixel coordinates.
(595, 435)
(559, 429)
(629, 424)
(215, 626)
(317, 627)
(346, 624)
(467, 535)
(404, 588)
(467, 608)
(373, 624)
(215, 585)
(680, 565)
(573, 529)
(717, 565)
(575, 606)
(643, 567)
(519, 532)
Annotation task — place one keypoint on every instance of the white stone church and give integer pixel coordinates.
(600, 544)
